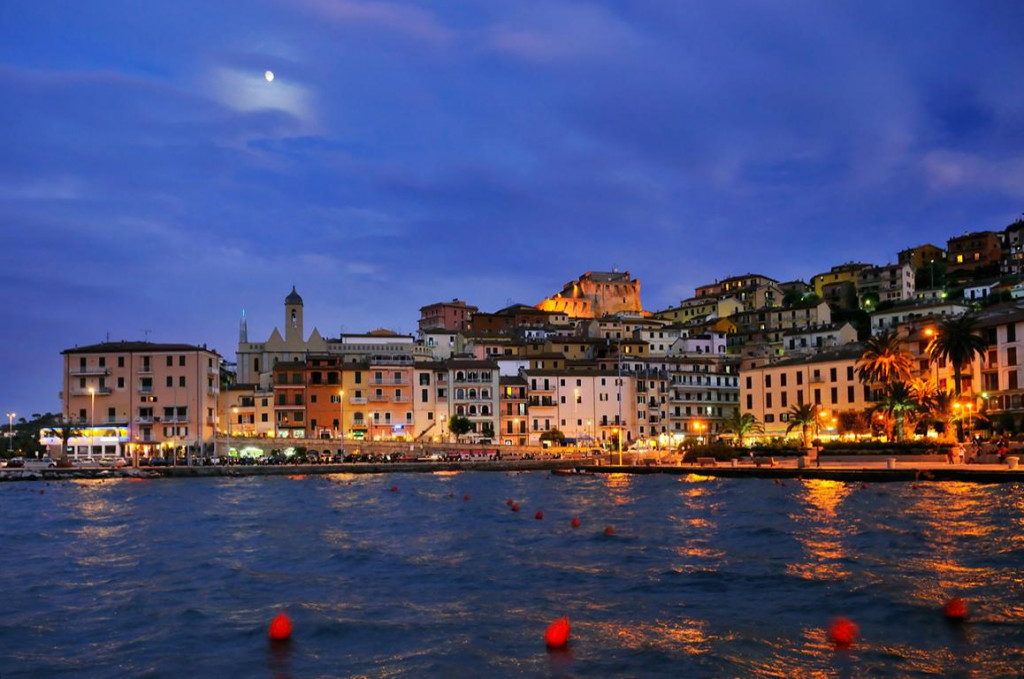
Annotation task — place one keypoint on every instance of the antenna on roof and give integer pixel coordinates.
(145, 334)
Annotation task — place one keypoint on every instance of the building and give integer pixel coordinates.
(890, 283)
(915, 311)
(1013, 248)
(843, 273)
(157, 398)
(453, 315)
(752, 291)
(827, 380)
(596, 294)
(514, 421)
(973, 251)
(256, 360)
(921, 255)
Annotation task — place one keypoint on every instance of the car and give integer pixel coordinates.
(113, 462)
(15, 462)
(49, 462)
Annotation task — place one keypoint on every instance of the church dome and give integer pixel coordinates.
(293, 298)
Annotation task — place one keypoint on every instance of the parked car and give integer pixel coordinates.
(15, 462)
(113, 462)
(48, 461)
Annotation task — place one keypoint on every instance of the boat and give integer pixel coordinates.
(571, 472)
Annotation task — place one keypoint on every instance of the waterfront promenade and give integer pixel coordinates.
(903, 469)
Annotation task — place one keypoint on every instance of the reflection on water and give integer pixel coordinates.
(820, 530)
(725, 578)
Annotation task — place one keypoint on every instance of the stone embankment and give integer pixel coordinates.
(861, 471)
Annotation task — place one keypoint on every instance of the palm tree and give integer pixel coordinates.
(898, 400)
(957, 341)
(806, 417)
(884, 360)
(742, 425)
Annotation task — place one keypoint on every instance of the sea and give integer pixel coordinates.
(435, 575)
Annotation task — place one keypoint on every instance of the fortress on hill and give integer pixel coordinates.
(596, 294)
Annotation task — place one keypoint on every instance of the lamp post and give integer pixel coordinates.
(92, 407)
(444, 438)
(10, 433)
(231, 422)
(618, 438)
(341, 414)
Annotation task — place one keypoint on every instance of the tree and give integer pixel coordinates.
(957, 341)
(898, 401)
(487, 430)
(884, 360)
(806, 418)
(460, 426)
(742, 425)
(553, 435)
(65, 430)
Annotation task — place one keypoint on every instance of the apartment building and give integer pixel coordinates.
(828, 380)
(890, 283)
(158, 397)
(973, 251)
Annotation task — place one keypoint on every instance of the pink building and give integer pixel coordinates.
(453, 315)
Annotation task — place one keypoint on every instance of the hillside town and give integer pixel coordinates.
(587, 366)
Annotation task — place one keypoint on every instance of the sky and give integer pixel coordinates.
(154, 183)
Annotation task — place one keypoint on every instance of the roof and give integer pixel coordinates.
(854, 350)
(293, 297)
(126, 347)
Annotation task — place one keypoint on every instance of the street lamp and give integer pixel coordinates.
(92, 408)
(231, 422)
(10, 433)
(341, 413)
(618, 438)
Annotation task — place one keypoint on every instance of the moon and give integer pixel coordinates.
(269, 75)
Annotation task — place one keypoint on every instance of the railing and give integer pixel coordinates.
(89, 371)
(145, 369)
(359, 401)
(387, 383)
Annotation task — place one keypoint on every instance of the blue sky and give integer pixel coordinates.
(153, 183)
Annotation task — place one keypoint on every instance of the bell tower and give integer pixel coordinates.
(293, 318)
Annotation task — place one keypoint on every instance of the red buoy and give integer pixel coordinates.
(575, 522)
(394, 489)
(539, 515)
(609, 530)
(280, 628)
(465, 498)
(955, 610)
(515, 506)
(557, 634)
(510, 502)
(843, 632)
(863, 486)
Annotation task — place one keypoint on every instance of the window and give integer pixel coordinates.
(785, 400)
(170, 381)
(768, 381)
(750, 402)
(849, 374)
(120, 361)
(782, 379)
(170, 361)
(181, 360)
(181, 381)
(799, 378)
(832, 374)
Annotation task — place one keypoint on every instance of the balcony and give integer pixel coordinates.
(387, 383)
(144, 419)
(536, 401)
(95, 370)
(358, 401)
(379, 398)
(145, 370)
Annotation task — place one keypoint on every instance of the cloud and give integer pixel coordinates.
(550, 33)
(248, 91)
(406, 20)
(957, 171)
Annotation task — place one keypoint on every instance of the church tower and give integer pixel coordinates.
(293, 319)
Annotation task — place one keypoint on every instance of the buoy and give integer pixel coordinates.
(280, 628)
(863, 486)
(539, 515)
(609, 530)
(913, 486)
(843, 632)
(394, 489)
(465, 498)
(509, 502)
(515, 506)
(557, 634)
(575, 522)
(955, 610)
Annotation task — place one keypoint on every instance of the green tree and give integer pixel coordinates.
(742, 425)
(459, 426)
(884, 360)
(957, 342)
(804, 417)
(65, 430)
(487, 430)
(554, 435)
(898, 401)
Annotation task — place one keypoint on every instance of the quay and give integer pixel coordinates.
(903, 469)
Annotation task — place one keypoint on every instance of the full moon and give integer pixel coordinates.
(269, 75)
